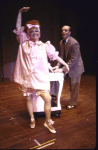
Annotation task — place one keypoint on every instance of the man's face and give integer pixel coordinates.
(34, 34)
(65, 32)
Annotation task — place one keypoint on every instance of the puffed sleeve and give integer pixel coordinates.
(51, 51)
(18, 32)
(21, 35)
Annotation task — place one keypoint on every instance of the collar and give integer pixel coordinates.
(35, 43)
(67, 39)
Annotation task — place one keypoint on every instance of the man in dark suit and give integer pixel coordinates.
(70, 52)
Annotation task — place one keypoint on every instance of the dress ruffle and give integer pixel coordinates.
(51, 51)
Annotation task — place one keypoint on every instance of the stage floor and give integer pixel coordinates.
(76, 128)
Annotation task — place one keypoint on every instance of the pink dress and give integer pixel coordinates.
(31, 67)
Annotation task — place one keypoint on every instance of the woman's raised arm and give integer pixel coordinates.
(19, 17)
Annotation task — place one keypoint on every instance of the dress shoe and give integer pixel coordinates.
(69, 107)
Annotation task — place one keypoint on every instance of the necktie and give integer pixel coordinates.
(64, 42)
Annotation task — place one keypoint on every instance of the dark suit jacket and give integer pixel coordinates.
(71, 54)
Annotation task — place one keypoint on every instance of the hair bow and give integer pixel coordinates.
(31, 25)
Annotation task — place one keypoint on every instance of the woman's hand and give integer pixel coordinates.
(59, 70)
(67, 68)
(24, 9)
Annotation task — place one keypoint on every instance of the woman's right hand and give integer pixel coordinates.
(24, 9)
(59, 70)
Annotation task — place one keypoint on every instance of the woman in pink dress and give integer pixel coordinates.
(31, 67)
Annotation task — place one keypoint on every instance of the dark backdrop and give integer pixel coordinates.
(52, 15)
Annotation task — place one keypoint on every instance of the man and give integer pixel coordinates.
(70, 52)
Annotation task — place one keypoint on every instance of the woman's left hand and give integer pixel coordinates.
(67, 68)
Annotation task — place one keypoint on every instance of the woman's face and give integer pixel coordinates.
(34, 34)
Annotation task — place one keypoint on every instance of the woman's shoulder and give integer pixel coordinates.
(48, 43)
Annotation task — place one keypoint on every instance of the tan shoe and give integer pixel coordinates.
(48, 124)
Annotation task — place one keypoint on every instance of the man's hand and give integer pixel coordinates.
(24, 9)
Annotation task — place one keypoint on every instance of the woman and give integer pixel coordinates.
(31, 69)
